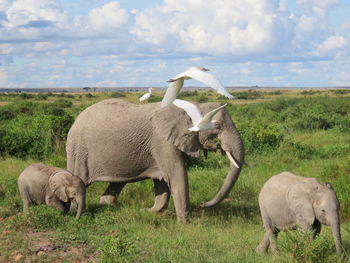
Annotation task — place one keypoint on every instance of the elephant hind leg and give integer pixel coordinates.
(162, 195)
(26, 200)
(264, 244)
(273, 240)
(111, 193)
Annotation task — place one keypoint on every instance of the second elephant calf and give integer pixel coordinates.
(40, 183)
(287, 200)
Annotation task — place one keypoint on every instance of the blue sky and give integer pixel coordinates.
(101, 43)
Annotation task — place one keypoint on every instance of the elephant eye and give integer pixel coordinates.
(323, 210)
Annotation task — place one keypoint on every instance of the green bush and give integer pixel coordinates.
(188, 93)
(258, 137)
(341, 91)
(309, 92)
(117, 95)
(118, 249)
(249, 95)
(299, 150)
(34, 130)
(42, 96)
(26, 96)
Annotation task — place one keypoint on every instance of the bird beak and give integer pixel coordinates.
(206, 69)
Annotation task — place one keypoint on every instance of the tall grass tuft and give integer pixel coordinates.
(298, 246)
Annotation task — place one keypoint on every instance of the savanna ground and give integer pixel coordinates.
(305, 132)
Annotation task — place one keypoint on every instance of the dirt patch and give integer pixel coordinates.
(41, 247)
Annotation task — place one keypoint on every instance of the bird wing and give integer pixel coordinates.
(207, 79)
(191, 110)
(144, 97)
(209, 116)
(172, 92)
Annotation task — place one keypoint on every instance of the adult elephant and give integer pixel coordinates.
(119, 142)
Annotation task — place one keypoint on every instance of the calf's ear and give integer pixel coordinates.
(301, 199)
(58, 183)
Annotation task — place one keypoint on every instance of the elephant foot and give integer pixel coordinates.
(260, 250)
(107, 199)
(155, 209)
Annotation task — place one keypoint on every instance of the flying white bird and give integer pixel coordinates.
(197, 73)
(146, 96)
(199, 122)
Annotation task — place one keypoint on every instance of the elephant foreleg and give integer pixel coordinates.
(171, 163)
(316, 228)
(162, 195)
(111, 193)
(53, 201)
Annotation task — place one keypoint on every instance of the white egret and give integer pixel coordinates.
(201, 123)
(197, 73)
(146, 96)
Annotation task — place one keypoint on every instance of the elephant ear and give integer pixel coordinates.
(172, 123)
(300, 198)
(58, 183)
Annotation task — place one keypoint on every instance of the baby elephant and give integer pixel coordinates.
(56, 187)
(287, 201)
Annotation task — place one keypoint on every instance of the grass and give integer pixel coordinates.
(229, 232)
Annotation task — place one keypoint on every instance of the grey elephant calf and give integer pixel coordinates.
(39, 184)
(287, 201)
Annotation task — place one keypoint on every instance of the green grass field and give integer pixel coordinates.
(304, 132)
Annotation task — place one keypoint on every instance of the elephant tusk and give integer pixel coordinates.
(231, 159)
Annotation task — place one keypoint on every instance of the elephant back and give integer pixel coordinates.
(108, 135)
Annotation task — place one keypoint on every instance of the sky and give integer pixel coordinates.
(129, 43)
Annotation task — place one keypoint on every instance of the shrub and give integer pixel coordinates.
(309, 92)
(33, 130)
(117, 95)
(154, 98)
(26, 96)
(259, 137)
(42, 96)
(300, 150)
(118, 249)
(89, 95)
(275, 92)
(341, 91)
(26, 136)
(249, 95)
(62, 103)
(188, 93)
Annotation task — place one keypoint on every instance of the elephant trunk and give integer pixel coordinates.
(336, 235)
(232, 144)
(81, 205)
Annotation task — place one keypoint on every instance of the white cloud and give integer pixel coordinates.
(298, 67)
(331, 45)
(216, 27)
(106, 83)
(109, 16)
(161, 67)
(21, 12)
(3, 76)
(317, 7)
(245, 42)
